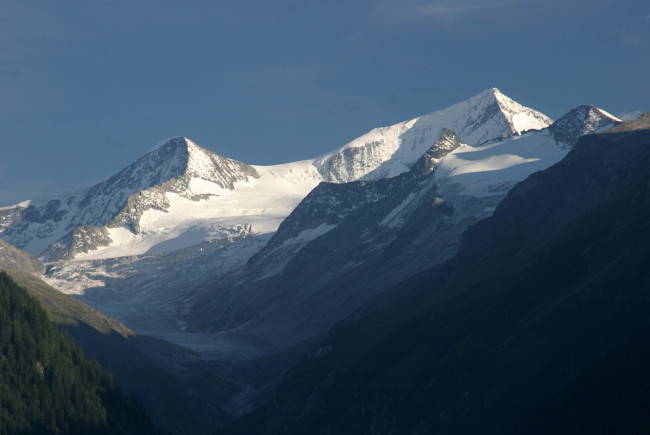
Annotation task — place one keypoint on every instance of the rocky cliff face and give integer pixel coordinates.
(580, 121)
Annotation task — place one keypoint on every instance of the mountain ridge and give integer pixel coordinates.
(83, 222)
(387, 151)
(191, 228)
(245, 265)
(538, 325)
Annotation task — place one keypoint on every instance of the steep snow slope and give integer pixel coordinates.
(493, 169)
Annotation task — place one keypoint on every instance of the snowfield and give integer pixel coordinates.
(495, 168)
(257, 205)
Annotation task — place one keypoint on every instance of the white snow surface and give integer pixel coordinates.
(608, 115)
(259, 204)
(493, 169)
(22, 204)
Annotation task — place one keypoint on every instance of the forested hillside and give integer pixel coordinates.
(46, 383)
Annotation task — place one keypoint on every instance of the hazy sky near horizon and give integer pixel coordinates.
(87, 87)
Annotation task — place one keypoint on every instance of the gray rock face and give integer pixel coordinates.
(580, 121)
(351, 163)
(14, 258)
(81, 239)
(447, 143)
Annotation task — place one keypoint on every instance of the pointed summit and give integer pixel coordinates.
(389, 151)
(580, 121)
(494, 109)
(180, 157)
(173, 166)
(164, 162)
(176, 160)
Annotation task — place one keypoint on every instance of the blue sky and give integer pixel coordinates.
(86, 87)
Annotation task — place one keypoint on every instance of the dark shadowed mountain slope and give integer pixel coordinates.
(178, 393)
(46, 383)
(641, 123)
(538, 325)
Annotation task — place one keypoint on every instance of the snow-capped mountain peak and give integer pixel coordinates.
(519, 118)
(178, 157)
(177, 166)
(389, 151)
(167, 168)
(579, 121)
